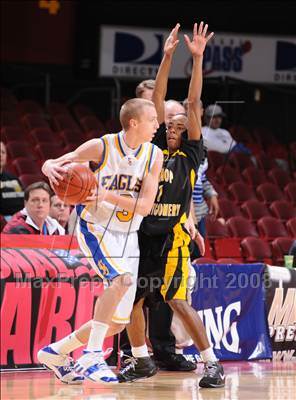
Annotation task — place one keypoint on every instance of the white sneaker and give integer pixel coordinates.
(93, 367)
(61, 364)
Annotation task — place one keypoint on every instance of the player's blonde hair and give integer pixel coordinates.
(132, 109)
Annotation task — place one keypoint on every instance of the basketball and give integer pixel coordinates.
(77, 184)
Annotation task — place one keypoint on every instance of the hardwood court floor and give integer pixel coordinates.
(245, 380)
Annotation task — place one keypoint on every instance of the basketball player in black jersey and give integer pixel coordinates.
(163, 237)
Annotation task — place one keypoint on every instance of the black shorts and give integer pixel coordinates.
(164, 266)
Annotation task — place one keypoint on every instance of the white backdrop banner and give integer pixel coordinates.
(136, 53)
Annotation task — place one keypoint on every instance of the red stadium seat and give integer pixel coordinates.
(215, 229)
(24, 107)
(12, 133)
(269, 192)
(241, 192)
(290, 192)
(254, 210)
(291, 225)
(264, 162)
(8, 118)
(55, 108)
(256, 250)
(70, 136)
(93, 135)
(241, 227)
(48, 150)
(113, 125)
(228, 248)
(279, 177)
(240, 161)
(282, 209)
(254, 176)
(228, 175)
(81, 111)
(26, 166)
(228, 209)
(32, 121)
(27, 179)
(219, 189)
(65, 121)
(92, 123)
(18, 149)
(44, 135)
(215, 159)
(271, 228)
(280, 247)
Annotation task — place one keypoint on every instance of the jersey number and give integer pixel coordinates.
(124, 215)
(159, 194)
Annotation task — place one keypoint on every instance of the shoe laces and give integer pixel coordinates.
(210, 369)
(69, 364)
(132, 362)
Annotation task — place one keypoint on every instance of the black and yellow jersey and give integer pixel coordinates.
(176, 183)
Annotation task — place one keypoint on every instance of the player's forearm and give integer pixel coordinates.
(195, 86)
(137, 206)
(161, 80)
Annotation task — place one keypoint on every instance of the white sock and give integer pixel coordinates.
(97, 336)
(67, 344)
(208, 355)
(141, 351)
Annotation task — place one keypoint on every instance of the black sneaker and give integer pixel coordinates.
(213, 375)
(137, 368)
(175, 362)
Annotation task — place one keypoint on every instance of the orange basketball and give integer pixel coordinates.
(77, 184)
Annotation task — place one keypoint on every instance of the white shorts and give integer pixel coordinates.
(112, 254)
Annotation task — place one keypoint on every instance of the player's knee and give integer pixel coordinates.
(179, 306)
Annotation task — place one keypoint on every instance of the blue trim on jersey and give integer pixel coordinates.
(138, 151)
(96, 252)
(151, 156)
(79, 209)
(120, 145)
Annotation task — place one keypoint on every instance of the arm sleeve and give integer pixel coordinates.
(194, 150)
(208, 189)
(160, 137)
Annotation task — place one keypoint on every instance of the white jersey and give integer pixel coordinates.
(121, 170)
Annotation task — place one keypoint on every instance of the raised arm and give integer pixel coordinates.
(161, 80)
(196, 48)
(89, 151)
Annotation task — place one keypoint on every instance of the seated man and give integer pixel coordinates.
(12, 195)
(216, 138)
(34, 218)
(60, 211)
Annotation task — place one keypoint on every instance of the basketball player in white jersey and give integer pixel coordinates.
(128, 168)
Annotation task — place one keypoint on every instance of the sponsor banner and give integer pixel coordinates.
(127, 52)
(281, 304)
(230, 301)
(45, 295)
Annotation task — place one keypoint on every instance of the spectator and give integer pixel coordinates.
(145, 89)
(34, 218)
(59, 211)
(12, 195)
(216, 138)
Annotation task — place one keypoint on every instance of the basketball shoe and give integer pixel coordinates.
(93, 367)
(213, 376)
(137, 368)
(61, 364)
